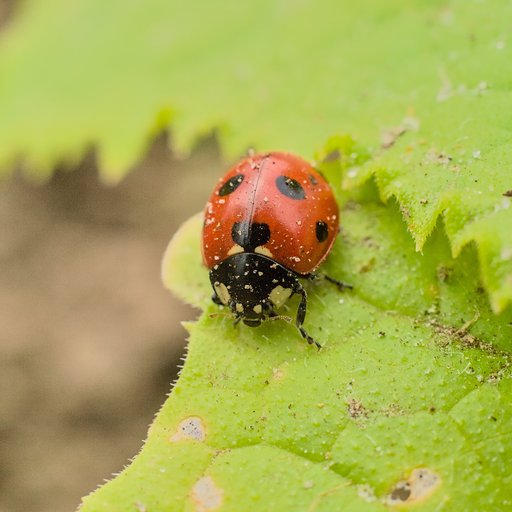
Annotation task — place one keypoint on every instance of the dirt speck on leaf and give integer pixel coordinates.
(279, 373)
(391, 136)
(437, 157)
(356, 409)
(308, 484)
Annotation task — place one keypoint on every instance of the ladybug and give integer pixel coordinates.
(270, 221)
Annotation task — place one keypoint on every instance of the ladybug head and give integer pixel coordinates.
(252, 320)
(252, 286)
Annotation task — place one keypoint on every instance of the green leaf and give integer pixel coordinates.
(407, 402)
(408, 399)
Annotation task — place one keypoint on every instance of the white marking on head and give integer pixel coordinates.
(263, 250)
(279, 295)
(258, 309)
(235, 249)
(239, 307)
(222, 292)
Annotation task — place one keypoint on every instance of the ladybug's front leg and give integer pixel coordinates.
(301, 315)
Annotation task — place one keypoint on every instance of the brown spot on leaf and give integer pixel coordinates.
(507, 193)
(191, 428)
(206, 495)
(401, 492)
(419, 486)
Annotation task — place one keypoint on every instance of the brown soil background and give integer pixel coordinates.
(89, 341)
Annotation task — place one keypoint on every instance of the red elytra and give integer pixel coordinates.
(275, 204)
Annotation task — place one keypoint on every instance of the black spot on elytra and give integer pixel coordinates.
(312, 180)
(250, 235)
(322, 231)
(290, 188)
(231, 185)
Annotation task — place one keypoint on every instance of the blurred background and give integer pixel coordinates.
(90, 340)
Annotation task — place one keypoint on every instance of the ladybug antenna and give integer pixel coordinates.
(220, 313)
(281, 317)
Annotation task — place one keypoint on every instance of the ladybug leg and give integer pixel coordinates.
(301, 315)
(238, 316)
(340, 284)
